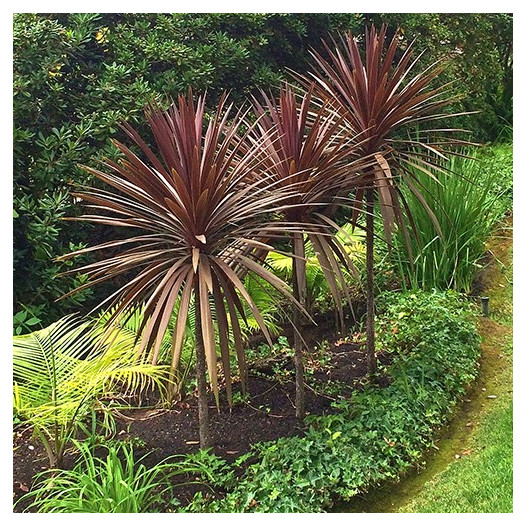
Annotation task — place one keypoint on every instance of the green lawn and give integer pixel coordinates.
(481, 480)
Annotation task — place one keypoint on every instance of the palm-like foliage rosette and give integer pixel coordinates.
(315, 154)
(382, 97)
(201, 214)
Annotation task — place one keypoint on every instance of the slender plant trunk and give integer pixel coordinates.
(299, 286)
(200, 366)
(371, 355)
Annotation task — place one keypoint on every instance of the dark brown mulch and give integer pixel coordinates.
(268, 415)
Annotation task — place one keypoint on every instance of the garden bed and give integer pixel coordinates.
(266, 415)
(378, 432)
(357, 435)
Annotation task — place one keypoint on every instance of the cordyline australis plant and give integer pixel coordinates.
(200, 215)
(382, 97)
(316, 155)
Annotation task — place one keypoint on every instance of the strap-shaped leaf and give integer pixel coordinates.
(223, 330)
(207, 327)
(182, 316)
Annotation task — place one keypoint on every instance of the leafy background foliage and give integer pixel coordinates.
(76, 76)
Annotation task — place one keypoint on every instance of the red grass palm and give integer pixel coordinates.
(200, 215)
(381, 97)
(312, 153)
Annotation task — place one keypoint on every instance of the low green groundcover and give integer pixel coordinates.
(379, 432)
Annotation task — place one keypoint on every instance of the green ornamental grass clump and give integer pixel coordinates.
(379, 432)
(112, 483)
(468, 198)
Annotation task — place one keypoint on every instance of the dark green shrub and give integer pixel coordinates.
(51, 135)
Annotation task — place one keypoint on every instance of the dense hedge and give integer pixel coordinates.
(379, 432)
(76, 76)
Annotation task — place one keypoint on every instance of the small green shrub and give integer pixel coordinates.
(378, 433)
(27, 319)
